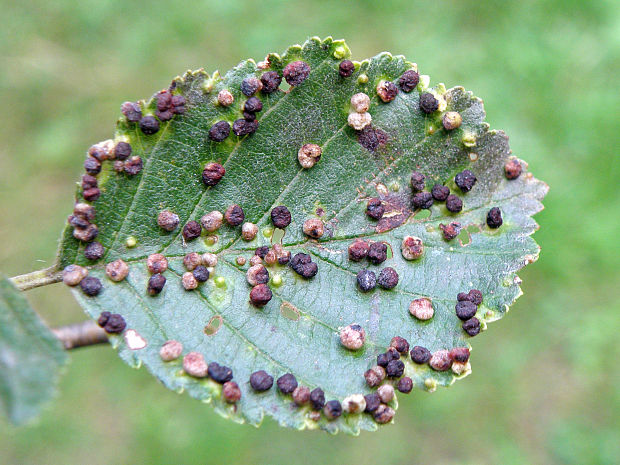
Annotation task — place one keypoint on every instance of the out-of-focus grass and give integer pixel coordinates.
(542, 388)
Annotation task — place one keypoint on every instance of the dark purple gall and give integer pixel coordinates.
(92, 194)
(303, 265)
(454, 204)
(261, 251)
(243, 127)
(377, 253)
(122, 150)
(317, 398)
(405, 385)
(371, 138)
(366, 280)
(251, 85)
(178, 104)
(201, 273)
(164, 99)
(156, 284)
(420, 355)
(346, 68)
(234, 215)
(296, 72)
(92, 165)
(494, 218)
(219, 131)
(94, 251)
(472, 326)
(450, 231)
(459, 354)
(418, 181)
(219, 373)
(409, 80)
(332, 409)
(133, 166)
(132, 111)
(372, 402)
(261, 381)
(88, 181)
(422, 200)
(149, 125)
(388, 278)
(395, 369)
(475, 296)
(260, 295)
(440, 193)
(191, 230)
(287, 383)
(465, 180)
(213, 174)
(91, 286)
(428, 103)
(280, 217)
(375, 209)
(400, 344)
(112, 323)
(253, 105)
(465, 309)
(271, 81)
(358, 250)
(164, 116)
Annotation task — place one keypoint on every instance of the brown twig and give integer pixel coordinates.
(85, 333)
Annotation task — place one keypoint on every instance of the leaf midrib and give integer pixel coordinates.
(234, 151)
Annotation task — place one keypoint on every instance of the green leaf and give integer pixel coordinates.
(30, 357)
(298, 330)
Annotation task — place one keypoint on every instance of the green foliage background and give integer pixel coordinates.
(541, 389)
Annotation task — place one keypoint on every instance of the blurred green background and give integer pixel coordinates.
(543, 387)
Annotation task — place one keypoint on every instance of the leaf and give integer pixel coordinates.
(30, 357)
(297, 331)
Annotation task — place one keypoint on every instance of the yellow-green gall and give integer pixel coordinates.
(340, 52)
(469, 139)
(276, 280)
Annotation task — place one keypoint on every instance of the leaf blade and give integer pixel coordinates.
(30, 357)
(262, 172)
